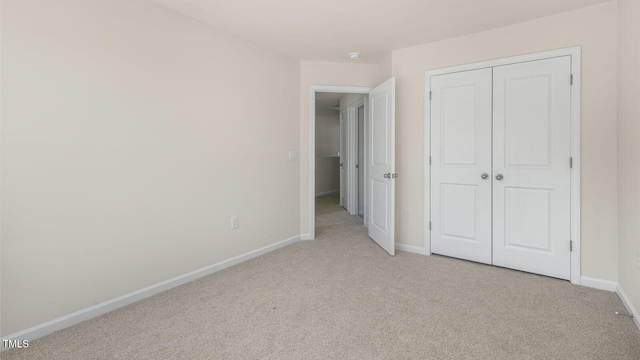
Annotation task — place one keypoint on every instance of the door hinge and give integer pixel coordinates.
(571, 162)
(430, 95)
(429, 225)
(571, 79)
(357, 166)
(570, 245)
(429, 160)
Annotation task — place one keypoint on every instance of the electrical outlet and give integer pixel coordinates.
(407, 214)
(235, 222)
(293, 155)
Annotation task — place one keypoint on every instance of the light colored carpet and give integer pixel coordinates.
(342, 297)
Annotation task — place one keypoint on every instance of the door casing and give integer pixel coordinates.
(354, 165)
(345, 157)
(576, 55)
(311, 150)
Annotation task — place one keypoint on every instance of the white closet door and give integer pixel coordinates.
(531, 178)
(461, 165)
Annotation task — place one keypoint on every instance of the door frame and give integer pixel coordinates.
(313, 89)
(362, 165)
(352, 156)
(344, 157)
(576, 70)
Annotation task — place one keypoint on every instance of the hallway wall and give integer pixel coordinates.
(327, 149)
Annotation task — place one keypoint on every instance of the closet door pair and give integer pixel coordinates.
(500, 166)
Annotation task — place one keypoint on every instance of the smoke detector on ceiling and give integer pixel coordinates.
(354, 56)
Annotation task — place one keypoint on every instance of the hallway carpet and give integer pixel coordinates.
(343, 297)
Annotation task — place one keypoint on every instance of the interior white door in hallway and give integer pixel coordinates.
(344, 188)
(500, 173)
(381, 165)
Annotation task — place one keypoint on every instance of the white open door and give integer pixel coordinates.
(381, 161)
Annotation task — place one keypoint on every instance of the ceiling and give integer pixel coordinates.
(328, 30)
(327, 102)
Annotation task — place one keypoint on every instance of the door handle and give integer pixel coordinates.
(387, 176)
(484, 176)
(499, 177)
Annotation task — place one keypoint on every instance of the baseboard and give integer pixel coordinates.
(306, 237)
(598, 284)
(411, 249)
(60, 323)
(327, 193)
(627, 303)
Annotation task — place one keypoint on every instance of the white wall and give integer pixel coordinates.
(328, 135)
(629, 149)
(327, 149)
(130, 135)
(384, 70)
(327, 175)
(595, 29)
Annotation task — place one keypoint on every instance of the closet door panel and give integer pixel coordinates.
(531, 172)
(461, 154)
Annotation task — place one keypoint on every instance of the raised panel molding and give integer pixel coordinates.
(527, 127)
(529, 229)
(456, 122)
(380, 155)
(460, 220)
(379, 195)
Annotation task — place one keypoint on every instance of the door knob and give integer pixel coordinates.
(499, 177)
(484, 176)
(387, 176)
